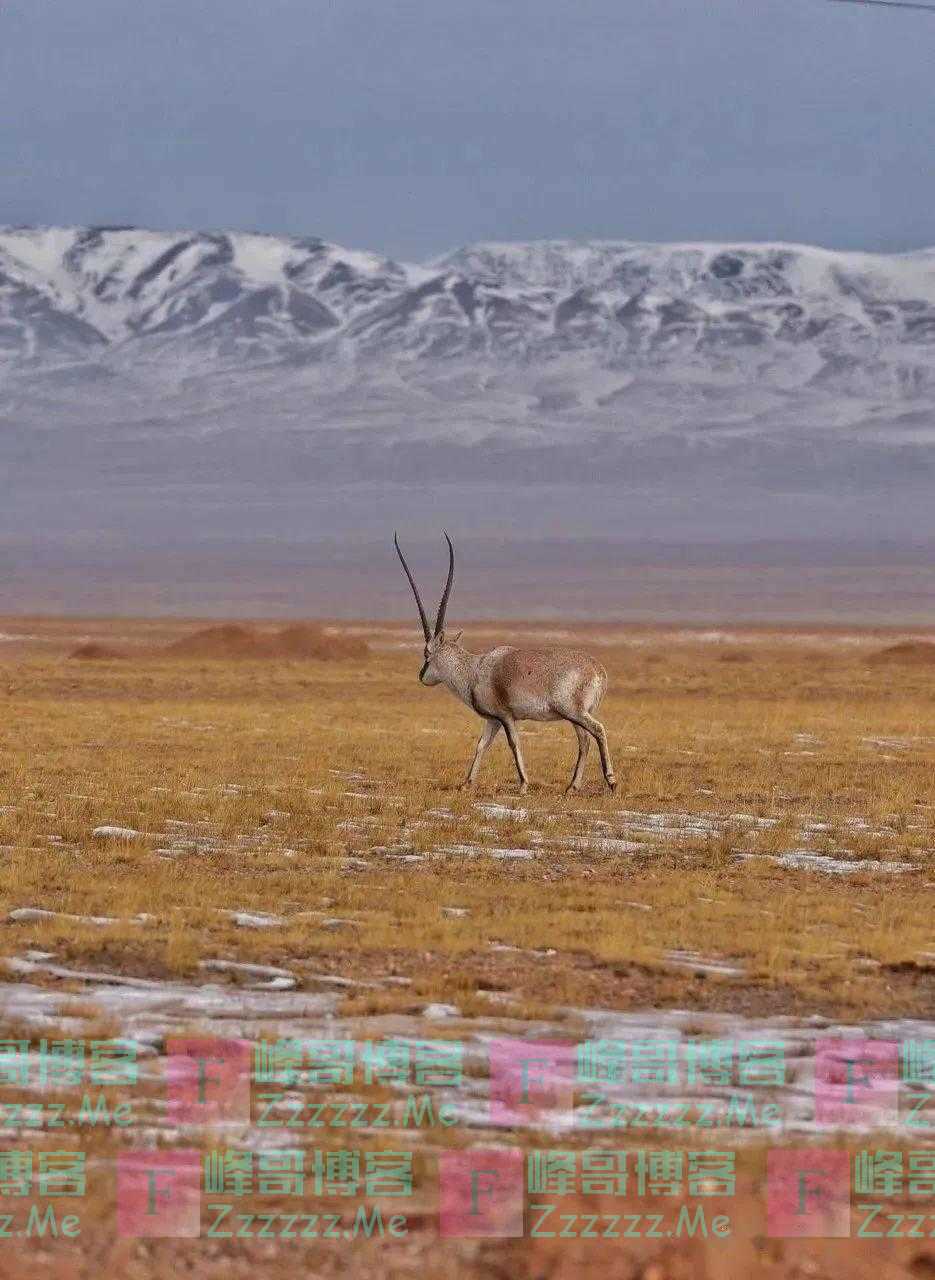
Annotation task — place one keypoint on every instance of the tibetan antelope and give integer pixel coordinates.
(506, 684)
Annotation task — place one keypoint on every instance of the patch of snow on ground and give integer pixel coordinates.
(40, 913)
(692, 962)
(493, 810)
(472, 850)
(808, 860)
(599, 845)
(255, 920)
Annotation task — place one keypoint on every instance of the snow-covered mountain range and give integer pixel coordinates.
(794, 315)
(160, 361)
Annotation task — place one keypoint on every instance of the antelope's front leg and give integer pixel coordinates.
(512, 737)
(487, 734)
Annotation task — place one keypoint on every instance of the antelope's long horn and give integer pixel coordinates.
(415, 590)
(443, 606)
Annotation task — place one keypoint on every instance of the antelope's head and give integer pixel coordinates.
(440, 648)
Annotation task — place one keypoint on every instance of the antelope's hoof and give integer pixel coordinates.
(523, 788)
(612, 783)
(571, 789)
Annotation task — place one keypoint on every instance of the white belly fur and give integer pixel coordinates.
(526, 708)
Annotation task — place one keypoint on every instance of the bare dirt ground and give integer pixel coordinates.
(265, 846)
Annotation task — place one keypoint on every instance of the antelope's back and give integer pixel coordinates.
(544, 683)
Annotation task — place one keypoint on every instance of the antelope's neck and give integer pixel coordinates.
(462, 675)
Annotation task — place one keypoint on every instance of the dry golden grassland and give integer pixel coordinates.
(259, 761)
(325, 794)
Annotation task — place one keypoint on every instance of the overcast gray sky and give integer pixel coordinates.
(412, 126)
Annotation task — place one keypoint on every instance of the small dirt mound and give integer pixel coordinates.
(94, 652)
(735, 655)
(910, 653)
(304, 640)
(299, 642)
(227, 641)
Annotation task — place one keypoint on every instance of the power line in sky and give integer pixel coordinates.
(890, 4)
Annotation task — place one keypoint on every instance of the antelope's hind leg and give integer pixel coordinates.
(490, 730)
(599, 733)
(584, 744)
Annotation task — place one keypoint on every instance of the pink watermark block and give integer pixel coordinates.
(208, 1080)
(159, 1193)
(530, 1078)
(481, 1192)
(856, 1083)
(808, 1193)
